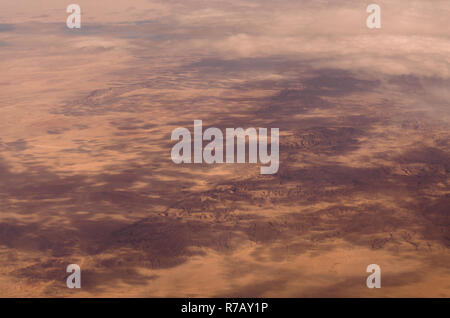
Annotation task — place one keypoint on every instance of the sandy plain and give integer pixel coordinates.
(86, 175)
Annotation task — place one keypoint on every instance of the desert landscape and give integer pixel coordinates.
(86, 175)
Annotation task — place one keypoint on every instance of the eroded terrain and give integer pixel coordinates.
(86, 175)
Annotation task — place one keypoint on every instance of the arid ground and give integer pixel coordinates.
(86, 175)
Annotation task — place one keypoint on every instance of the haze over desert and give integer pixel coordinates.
(87, 178)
